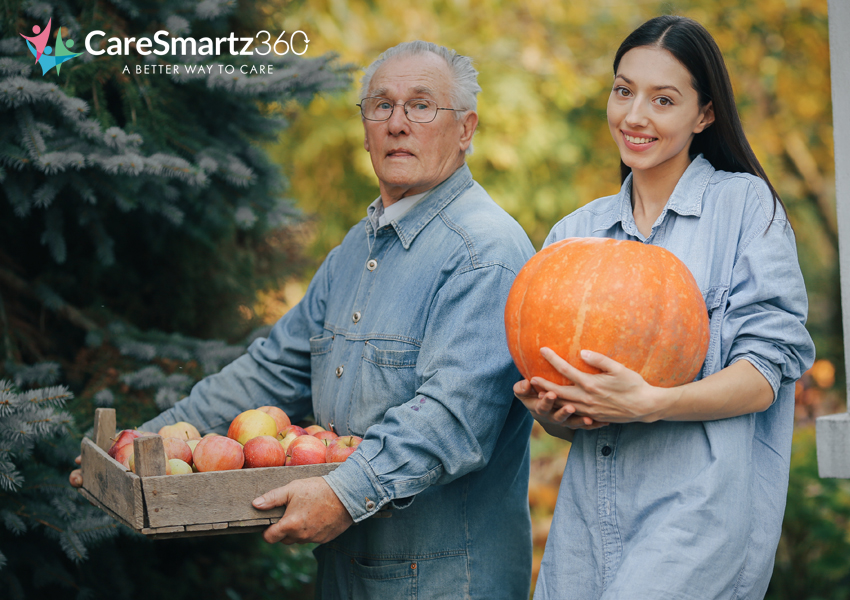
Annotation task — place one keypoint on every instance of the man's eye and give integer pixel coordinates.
(419, 105)
(384, 105)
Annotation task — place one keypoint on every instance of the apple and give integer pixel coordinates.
(176, 448)
(263, 451)
(288, 434)
(122, 439)
(341, 448)
(192, 444)
(123, 454)
(218, 453)
(306, 450)
(180, 430)
(250, 424)
(280, 417)
(314, 429)
(325, 435)
(179, 467)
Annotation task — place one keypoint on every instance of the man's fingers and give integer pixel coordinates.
(79, 460)
(271, 499)
(76, 478)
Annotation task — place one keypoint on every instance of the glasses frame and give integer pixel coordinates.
(404, 106)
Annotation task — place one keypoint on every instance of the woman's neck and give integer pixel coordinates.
(651, 189)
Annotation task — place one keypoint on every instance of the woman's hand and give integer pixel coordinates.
(546, 409)
(616, 395)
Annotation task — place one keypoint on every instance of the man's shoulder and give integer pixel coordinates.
(485, 229)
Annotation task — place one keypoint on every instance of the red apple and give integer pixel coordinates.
(218, 453)
(280, 417)
(306, 450)
(341, 448)
(180, 430)
(250, 424)
(325, 435)
(123, 454)
(175, 448)
(122, 439)
(179, 467)
(288, 434)
(263, 451)
(314, 429)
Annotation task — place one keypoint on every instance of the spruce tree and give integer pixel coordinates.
(136, 213)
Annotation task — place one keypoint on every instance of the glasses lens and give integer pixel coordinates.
(420, 110)
(376, 109)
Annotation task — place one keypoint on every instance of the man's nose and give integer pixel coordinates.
(398, 122)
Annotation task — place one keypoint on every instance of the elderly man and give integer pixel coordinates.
(400, 340)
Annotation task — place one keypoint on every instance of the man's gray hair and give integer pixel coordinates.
(465, 86)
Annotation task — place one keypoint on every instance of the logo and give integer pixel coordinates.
(49, 56)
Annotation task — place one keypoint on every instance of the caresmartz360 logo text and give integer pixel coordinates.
(162, 44)
(49, 56)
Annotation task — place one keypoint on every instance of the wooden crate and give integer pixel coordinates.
(165, 506)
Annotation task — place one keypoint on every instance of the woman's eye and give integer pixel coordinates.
(665, 101)
(624, 92)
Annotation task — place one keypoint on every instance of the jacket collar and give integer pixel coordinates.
(440, 196)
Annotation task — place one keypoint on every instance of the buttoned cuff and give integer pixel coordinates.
(770, 371)
(357, 487)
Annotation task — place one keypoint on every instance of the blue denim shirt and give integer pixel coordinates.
(400, 340)
(691, 510)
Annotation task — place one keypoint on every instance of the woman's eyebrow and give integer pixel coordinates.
(655, 87)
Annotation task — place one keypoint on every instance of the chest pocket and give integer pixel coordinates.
(320, 356)
(715, 303)
(386, 378)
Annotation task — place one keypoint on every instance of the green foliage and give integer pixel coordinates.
(811, 563)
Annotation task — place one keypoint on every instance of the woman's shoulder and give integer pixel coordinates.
(596, 215)
(729, 189)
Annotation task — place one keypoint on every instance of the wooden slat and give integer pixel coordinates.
(106, 480)
(87, 495)
(250, 523)
(161, 530)
(104, 427)
(149, 456)
(218, 497)
(228, 531)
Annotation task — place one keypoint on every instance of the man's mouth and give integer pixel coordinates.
(399, 152)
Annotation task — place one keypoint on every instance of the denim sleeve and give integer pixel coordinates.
(766, 310)
(274, 371)
(450, 427)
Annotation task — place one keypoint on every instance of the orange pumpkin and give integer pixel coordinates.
(635, 303)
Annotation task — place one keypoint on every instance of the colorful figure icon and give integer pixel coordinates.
(48, 56)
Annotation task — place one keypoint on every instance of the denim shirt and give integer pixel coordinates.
(400, 340)
(691, 510)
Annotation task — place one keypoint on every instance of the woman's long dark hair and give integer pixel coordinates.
(723, 143)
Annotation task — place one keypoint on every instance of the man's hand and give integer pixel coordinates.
(313, 512)
(76, 477)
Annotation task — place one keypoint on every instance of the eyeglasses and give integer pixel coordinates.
(418, 110)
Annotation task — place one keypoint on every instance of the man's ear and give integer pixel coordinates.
(365, 139)
(707, 118)
(469, 122)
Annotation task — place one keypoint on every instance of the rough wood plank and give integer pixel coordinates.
(104, 427)
(149, 456)
(228, 531)
(161, 530)
(219, 525)
(204, 527)
(87, 495)
(112, 485)
(250, 523)
(218, 497)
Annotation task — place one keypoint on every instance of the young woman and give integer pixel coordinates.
(679, 493)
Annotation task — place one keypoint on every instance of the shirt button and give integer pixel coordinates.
(370, 505)
(356, 316)
(339, 371)
(606, 450)
(372, 264)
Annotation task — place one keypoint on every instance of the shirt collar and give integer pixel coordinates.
(381, 216)
(686, 198)
(417, 216)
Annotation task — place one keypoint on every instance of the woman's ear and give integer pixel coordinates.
(707, 119)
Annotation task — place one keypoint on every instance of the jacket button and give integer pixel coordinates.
(606, 450)
(339, 371)
(356, 317)
(370, 505)
(372, 264)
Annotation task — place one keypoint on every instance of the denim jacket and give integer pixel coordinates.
(400, 340)
(691, 510)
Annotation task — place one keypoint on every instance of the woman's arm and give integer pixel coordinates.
(620, 395)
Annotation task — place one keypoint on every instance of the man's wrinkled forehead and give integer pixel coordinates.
(419, 91)
(418, 76)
